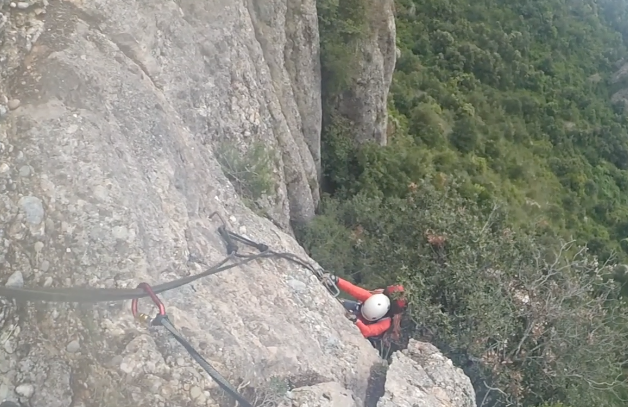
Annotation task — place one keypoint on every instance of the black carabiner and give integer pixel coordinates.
(160, 306)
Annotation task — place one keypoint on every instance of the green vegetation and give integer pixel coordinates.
(506, 145)
(512, 97)
(539, 322)
(251, 172)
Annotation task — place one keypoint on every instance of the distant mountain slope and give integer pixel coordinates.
(515, 98)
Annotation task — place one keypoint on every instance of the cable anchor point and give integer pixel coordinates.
(144, 318)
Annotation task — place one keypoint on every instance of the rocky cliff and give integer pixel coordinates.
(364, 103)
(124, 126)
(422, 376)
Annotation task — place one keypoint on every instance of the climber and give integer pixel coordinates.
(376, 313)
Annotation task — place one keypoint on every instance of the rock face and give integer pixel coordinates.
(108, 178)
(421, 376)
(322, 395)
(287, 32)
(236, 74)
(365, 103)
(114, 117)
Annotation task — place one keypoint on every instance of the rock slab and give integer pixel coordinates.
(421, 376)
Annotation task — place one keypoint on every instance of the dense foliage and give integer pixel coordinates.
(495, 104)
(514, 97)
(536, 322)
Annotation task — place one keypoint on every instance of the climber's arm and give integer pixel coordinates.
(356, 292)
(375, 329)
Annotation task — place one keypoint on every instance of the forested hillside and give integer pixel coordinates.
(504, 147)
(515, 98)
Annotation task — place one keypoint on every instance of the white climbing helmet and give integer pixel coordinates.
(375, 307)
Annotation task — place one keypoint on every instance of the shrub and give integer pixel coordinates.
(251, 172)
(532, 322)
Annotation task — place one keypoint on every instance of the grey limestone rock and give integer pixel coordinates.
(421, 376)
(122, 107)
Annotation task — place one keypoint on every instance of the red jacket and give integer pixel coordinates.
(367, 328)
